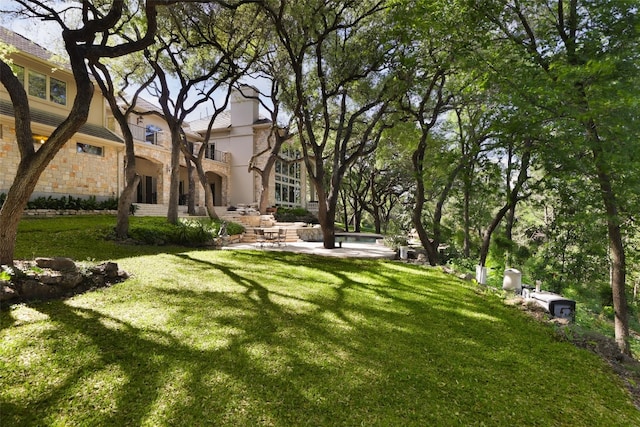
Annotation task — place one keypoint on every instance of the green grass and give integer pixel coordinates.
(201, 337)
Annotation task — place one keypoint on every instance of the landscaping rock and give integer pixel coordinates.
(107, 269)
(51, 278)
(57, 263)
(31, 289)
(7, 292)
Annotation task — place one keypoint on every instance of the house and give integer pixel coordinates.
(92, 162)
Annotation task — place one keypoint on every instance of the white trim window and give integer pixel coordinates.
(288, 179)
(41, 86)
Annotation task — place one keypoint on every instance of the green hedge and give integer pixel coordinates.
(70, 202)
(295, 215)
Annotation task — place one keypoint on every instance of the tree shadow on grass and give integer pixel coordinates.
(347, 352)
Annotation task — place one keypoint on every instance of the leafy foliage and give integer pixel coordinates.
(69, 202)
(284, 214)
(157, 231)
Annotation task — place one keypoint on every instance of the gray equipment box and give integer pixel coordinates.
(555, 304)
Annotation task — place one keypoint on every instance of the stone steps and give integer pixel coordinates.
(145, 209)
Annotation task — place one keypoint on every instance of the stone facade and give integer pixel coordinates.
(71, 172)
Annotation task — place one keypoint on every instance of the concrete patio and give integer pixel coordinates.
(348, 249)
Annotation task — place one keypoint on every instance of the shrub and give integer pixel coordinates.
(69, 202)
(285, 214)
(463, 264)
(605, 293)
(395, 241)
(234, 228)
(187, 232)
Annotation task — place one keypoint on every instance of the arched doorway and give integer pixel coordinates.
(215, 183)
(150, 176)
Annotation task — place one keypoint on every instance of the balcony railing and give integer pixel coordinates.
(217, 155)
(312, 206)
(140, 133)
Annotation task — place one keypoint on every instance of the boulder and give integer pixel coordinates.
(58, 278)
(7, 292)
(57, 263)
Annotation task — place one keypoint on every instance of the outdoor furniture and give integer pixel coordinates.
(282, 236)
(271, 235)
(260, 236)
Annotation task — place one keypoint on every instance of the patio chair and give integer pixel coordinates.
(260, 239)
(282, 237)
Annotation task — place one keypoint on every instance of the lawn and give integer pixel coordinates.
(204, 337)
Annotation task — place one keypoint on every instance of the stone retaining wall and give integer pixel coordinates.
(49, 213)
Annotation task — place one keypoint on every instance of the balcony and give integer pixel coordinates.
(150, 134)
(217, 155)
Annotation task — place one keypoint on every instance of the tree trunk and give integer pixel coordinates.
(11, 213)
(357, 219)
(466, 245)
(616, 243)
(191, 199)
(265, 172)
(174, 190)
(125, 201)
(264, 193)
(202, 176)
(327, 219)
(512, 200)
(345, 214)
(131, 178)
(486, 238)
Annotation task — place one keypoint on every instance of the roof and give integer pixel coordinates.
(144, 106)
(222, 121)
(25, 45)
(54, 120)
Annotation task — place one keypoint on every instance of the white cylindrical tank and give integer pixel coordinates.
(512, 280)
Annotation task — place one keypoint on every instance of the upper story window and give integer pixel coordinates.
(210, 152)
(57, 91)
(19, 72)
(37, 85)
(41, 86)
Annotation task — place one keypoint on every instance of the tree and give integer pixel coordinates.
(269, 68)
(578, 60)
(354, 192)
(339, 60)
(121, 108)
(204, 47)
(88, 40)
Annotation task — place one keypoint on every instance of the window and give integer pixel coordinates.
(37, 85)
(57, 91)
(19, 72)
(288, 180)
(210, 152)
(89, 149)
(151, 134)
